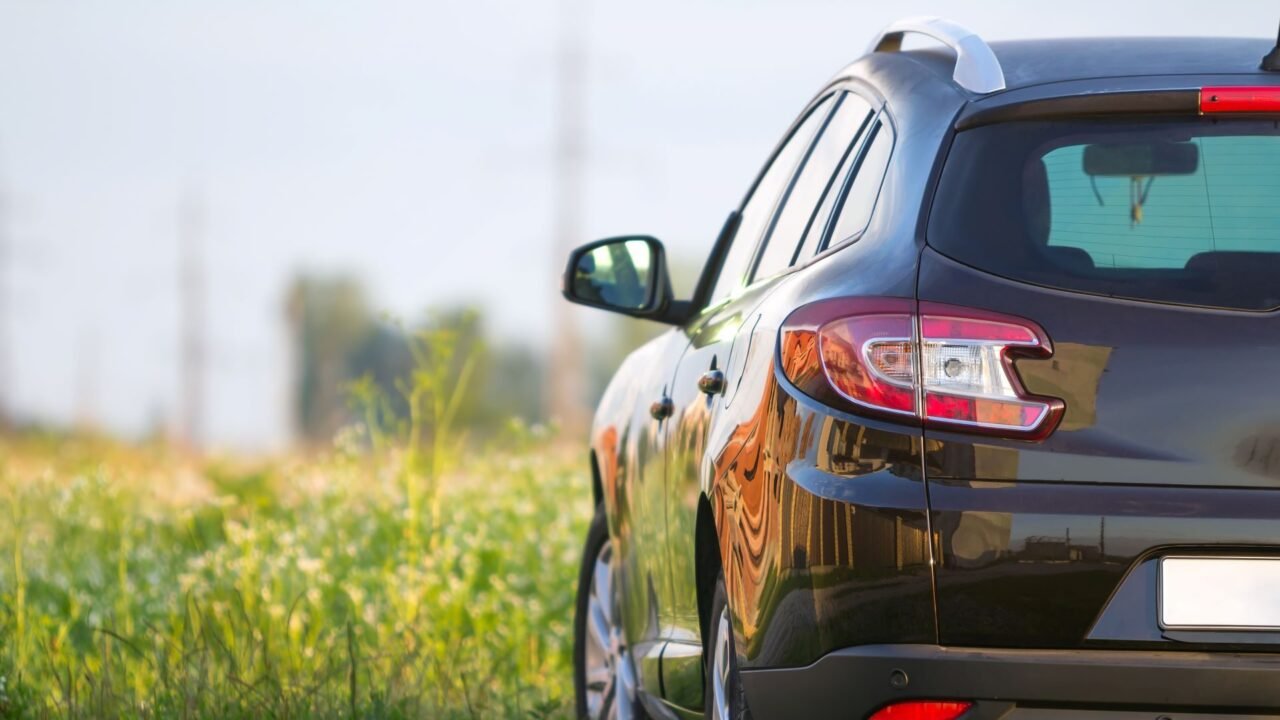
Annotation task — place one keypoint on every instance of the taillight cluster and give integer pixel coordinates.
(946, 366)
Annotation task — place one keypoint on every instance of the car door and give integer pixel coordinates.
(774, 220)
(632, 459)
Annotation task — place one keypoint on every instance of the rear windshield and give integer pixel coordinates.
(1181, 211)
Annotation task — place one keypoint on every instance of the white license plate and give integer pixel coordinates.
(1220, 593)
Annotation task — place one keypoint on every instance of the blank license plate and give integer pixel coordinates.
(1220, 593)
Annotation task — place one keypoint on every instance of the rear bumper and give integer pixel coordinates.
(855, 682)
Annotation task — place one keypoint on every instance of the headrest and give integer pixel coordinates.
(1070, 258)
(1238, 278)
(1236, 262)
(1036, 209)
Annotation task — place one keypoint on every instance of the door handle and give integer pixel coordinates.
(661, 409)
(711, 382)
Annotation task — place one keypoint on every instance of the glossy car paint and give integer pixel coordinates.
(1160, 447)
(821, 516)
(824, 513)
(839, 531)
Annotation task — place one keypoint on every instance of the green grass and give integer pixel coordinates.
(137, 582)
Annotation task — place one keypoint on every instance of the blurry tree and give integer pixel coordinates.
(337, 340)
(513, 385)
(329, 321)
(506, 380)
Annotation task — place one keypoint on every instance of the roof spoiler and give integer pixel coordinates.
(1127, 102)
(1239, 100)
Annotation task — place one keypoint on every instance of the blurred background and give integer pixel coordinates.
(281, 429)
(213, 215)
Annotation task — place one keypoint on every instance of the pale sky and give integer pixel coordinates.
(406, 142)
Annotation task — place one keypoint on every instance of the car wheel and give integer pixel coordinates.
(604, 677)
(725, 699)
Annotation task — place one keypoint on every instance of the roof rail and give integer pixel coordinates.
(977, 69)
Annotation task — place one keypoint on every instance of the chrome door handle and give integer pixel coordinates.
(661, 409)
(711, 382)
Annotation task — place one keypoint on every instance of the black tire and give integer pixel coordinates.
(597, 540)
(736, 699)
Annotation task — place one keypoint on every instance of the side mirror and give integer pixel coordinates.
(625, 275)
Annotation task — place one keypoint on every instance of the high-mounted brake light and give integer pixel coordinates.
(945, 366)
(1261, 99)
(922, 710)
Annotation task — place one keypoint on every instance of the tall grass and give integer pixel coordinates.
(404, 573)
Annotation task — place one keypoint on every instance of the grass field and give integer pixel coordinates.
(358, 582)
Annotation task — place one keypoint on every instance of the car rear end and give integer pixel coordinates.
(1093, 359)
(1141, 231)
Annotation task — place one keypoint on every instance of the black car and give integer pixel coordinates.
(974, 412)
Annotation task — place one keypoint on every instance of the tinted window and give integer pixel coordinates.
(1179, 211)
(817, 173)
(759, 209)
(819, 224)
(1229, 202)
(853, 209)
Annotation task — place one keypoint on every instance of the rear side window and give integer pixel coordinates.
(816, 175)
(853, 210)
(1181, 211)
(759, 208)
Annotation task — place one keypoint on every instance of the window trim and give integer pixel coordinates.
(879, 108)
(824, 250)
(804, 115)
(856, 143)
(762, 246)
(824, 243)
(860, 140)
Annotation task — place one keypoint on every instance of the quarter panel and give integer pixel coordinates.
(827, 532)
(822, 515)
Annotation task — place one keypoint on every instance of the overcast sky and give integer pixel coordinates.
(408, 143)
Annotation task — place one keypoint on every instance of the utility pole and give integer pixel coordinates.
(566, 381)
(6, 369)
(87, 380)
(191, 231)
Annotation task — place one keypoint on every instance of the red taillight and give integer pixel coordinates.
(1264, 99)
(922, 710)
(946, 366)
(868, 360)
